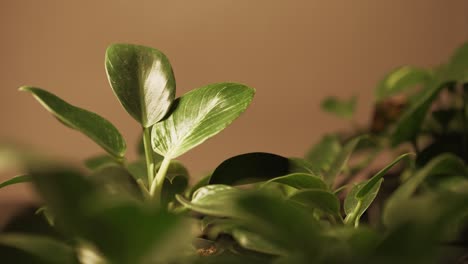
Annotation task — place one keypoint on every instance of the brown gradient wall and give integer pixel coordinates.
(293, 52)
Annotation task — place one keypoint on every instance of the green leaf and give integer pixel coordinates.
(319, 199)
(15, 180)
(44, 248)
(92, 125)
(324, 153)
(445, 164)
(199, 115)
(214, 199)
(399, 80)
(253, 241)
(300, 181)
(99, 161)
(176, 182)
(250, 168)
(457, 67)
(369, 184)
(355, 208)
(341, 160)
(409, 125)
(340, 108)
(142, 79)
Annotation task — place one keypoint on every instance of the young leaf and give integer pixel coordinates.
(92, 125)
(216, 200)
(399, 80)
(367, 187)
(355, 208)
(323, 153)
(300, 181)
(320, 199)
(15, 180)
(199, 115)
(142, 79)
(341, 159)
(44, 248)
(340, 108)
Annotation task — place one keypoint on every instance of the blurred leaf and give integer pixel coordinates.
(400, 80)
(300, 181)
(324, 153)
(249, 168)
(142, 79)
(369, 184)
(16, 180)
(116, 181)
(355, 208)
(46, 249)
(99, 161)
(457, 67)
(341, 160)
(253, 241)
(340, 108)
(444, 164)
(176, 182)
(92, 125)
(138, 170)
(318, 199)
(408, 126)
(200, 183)
(211, 109)
(214, 199)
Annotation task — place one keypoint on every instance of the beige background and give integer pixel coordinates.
(294, 53)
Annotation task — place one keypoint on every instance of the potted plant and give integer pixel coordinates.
(254, 207)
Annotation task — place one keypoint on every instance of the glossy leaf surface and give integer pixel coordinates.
(92, 125)
(401, 80)
(199, 115)
(142, 79)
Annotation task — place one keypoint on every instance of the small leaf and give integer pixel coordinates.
(142, 79)
(323, 153)
(355, 208)
(300, 181)
(369, 184)
(99, 161)
(399, 80)
(340, 108)
(199, 115)
(92, 125)
(44, 248)
(16, 180)
(341, 160)
(319, 199)
(409, 125)
(215, 199)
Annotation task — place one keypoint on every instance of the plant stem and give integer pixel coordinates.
(158, 181)
(351, 218)
(148, 155)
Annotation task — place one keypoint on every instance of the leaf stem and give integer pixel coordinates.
(158, 181)
(148, 154)
(352, 217)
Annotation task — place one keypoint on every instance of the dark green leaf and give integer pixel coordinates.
(199, 115)
(15, 180)
(253, 241)
(176, 182)
(324, 153)
(340, 108)
(46, 249)
(99, 161)
(401, 80)
(369, 184)
(301, 181)
(215, 199)
(318, 199)
(408, 127)
(142, 79)
(341, 160)
(92, 125)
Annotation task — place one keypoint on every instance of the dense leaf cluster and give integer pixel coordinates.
(255, 207)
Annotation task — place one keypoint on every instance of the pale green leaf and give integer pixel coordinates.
(199, 115)
(339, 107)
(341, 160)
(400, 80)
(355, 208)
(324, 152)
(92, 125)
(142, 79)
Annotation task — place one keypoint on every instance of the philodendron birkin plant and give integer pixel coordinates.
(253, 208)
